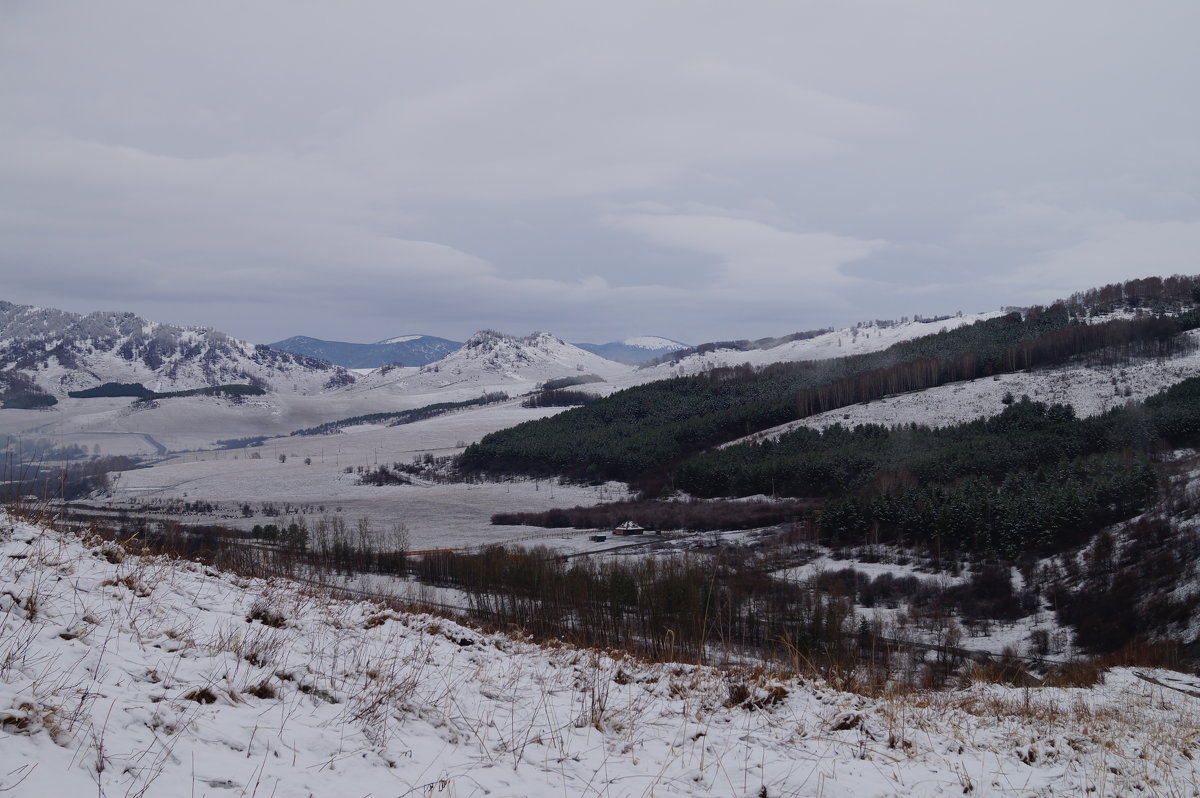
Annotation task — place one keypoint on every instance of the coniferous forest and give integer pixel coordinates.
(645, 434)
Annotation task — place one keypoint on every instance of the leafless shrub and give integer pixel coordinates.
(130, 582)
(262, 612)
(201, 695)
(111, 551)
(263, 689)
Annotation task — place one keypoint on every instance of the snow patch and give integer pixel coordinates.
(653, 342)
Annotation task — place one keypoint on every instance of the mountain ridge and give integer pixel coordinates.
(636, 350)
(404, 350)
(493, 360)
(61, 351)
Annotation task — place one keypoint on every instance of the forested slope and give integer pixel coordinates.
(641, 434)
(1032, 478)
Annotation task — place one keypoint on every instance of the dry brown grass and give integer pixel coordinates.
(1081, 673)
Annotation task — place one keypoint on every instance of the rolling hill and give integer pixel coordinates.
(404, 350)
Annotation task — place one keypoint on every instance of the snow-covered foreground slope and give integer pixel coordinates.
(128, 676)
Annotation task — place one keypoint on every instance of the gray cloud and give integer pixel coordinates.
(694, 170)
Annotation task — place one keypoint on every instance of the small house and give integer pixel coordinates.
(628, 528)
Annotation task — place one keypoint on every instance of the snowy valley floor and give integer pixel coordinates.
(122, 675)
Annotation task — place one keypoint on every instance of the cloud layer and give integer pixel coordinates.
(700, 171)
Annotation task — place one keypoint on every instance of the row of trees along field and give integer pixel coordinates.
(641, 434)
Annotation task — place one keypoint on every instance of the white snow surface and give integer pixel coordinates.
(400, 339)
(837, 343)
(123, 675)
(653, 342)
(436, 515)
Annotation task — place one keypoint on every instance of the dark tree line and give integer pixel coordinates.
(665, 516)
(568, 382)
(559, 398)
(1154, 294)
(398, 417)
(112, 389)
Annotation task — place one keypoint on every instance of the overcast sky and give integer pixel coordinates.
(698, 170)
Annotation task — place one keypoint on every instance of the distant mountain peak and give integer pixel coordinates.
(636, 350)
(654, 342)
(485, 337)
(407, 350)
(493, 360)
(492, 338)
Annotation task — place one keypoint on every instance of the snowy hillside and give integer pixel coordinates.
(128, 676)
(836, 343)
(492, 361)
(1089, 390)
(64, 352)
(653, 342)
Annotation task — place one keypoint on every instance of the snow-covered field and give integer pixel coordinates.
(190, 423)
(436, 515)
(126, 676)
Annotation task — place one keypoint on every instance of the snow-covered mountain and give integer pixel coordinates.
(62, 351)
(405, 350)
(490, 360)
(640, 349)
